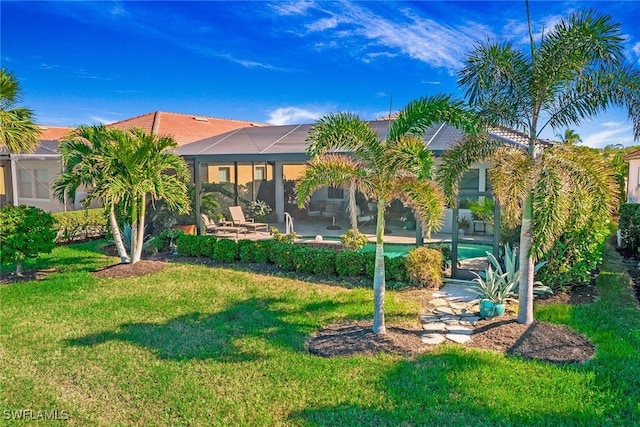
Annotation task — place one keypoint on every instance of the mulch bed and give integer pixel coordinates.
(122, 271)
(27, 275)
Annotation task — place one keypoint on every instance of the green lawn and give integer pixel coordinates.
(194, 345)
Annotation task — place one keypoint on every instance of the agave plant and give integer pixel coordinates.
(494, 286)
(511, 271)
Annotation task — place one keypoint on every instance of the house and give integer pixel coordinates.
(633, 177)
(263, 163)
(27, 178)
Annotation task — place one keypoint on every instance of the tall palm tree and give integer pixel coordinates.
(398, 167)
(569, 136)
(575, 71)
(18, 132)
(142, 167)
(84, 153)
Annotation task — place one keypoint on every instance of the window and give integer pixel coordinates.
(260, 173)
(470, 180)
(33, 184)
(224, 174)
(335, 193)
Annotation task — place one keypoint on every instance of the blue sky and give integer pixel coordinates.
(87, 62)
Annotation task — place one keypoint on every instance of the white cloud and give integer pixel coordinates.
(323, 24)
(293, 115)
(101, 120)
(636, 50)
(431, 82)
(616, 133)
(292, 8)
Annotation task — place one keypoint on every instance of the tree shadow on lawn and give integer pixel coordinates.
(219, 336)
(465, 387)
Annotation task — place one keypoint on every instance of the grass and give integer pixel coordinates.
(193, 345)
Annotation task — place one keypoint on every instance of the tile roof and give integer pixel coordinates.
(53, 133)
(184, 128)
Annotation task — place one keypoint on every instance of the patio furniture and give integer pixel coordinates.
(479, 227)
(363, 218)
(237, 216)
(313, 212)
(210, 227)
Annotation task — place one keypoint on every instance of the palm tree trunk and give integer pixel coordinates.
(19, 269)
(353, 215)
(140, 240)
(134, 232)
(525, 292)
(117, 237)
(378, 276)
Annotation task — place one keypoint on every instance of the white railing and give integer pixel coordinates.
(288, 223)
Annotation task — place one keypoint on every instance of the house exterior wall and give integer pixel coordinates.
(633, 183)
(34, 177)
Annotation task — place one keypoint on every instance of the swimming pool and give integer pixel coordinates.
(392, 250)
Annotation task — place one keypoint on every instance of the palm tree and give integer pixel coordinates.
(569, 137)
(83, 156)
(141, 168)
(18, 132)
(576, 71)
(398, 167)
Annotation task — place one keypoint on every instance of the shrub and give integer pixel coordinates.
(283, 238)
(266, 251)
(370, 264)
(25, 232)
(350, 263)
(445, 250)
(206, 245)
(247, 250)
(83, 224)
(353, 240)
(424, 267)
(325, 262)
(629, 226)
(305, 258)
(188, 245)
(395, 269)
(284, 256)
(166, 240)
(225, 250)
(575, 255)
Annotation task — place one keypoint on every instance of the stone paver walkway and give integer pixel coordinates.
(454, 315)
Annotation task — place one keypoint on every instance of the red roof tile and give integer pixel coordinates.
(53, 133)
(184, 128)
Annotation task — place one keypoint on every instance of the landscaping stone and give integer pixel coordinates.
(458, 338)
(439, 302)
(433, 339)
(459, 330)
(469, 320)
(443, 310)
(434, 327)
(429, 318)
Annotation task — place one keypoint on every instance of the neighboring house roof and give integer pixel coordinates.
(53, 133)
(184, 128)
(632, 155)
(290, 142)
(50, 137)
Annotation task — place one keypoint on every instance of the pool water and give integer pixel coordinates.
(465, 251)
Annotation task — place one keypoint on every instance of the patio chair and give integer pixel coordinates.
(363, 218)
(237, 216)
(210, 227)
(313, 212)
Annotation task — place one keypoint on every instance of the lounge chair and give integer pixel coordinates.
(210, 227)
(237, 216)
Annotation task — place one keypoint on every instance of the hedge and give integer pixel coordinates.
(81, 225)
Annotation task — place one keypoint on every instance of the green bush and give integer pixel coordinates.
(353, 240)
(25, 232)
(206, 245)
(395, 269)
(79, 225)
(424, 267)
(188, 245)
(284, 256)
(163, 241)
(350, 263)
(629, 226)
(445, 250)
(370, 264)
(305, 258)
(247, 250)
(225, 250)
(283, 238)
(575, 255)
(325, 262)
(266, 251)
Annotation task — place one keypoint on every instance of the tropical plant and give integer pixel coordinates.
(257, 209)
(493, 286)
(511, 270)
(570, 137)
(85, 154)
(18, 131)
(125, 169)
(482, 210)
(575, 71)
(25, 232)
(398, 167)
(126, 233)
(282, 237)
(353, 240)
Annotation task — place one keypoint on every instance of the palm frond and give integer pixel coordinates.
(425, 199)
(460, 158)
(340, 132)
(410, 156)
(330, 169)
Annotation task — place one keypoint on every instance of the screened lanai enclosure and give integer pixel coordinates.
(264, 163)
